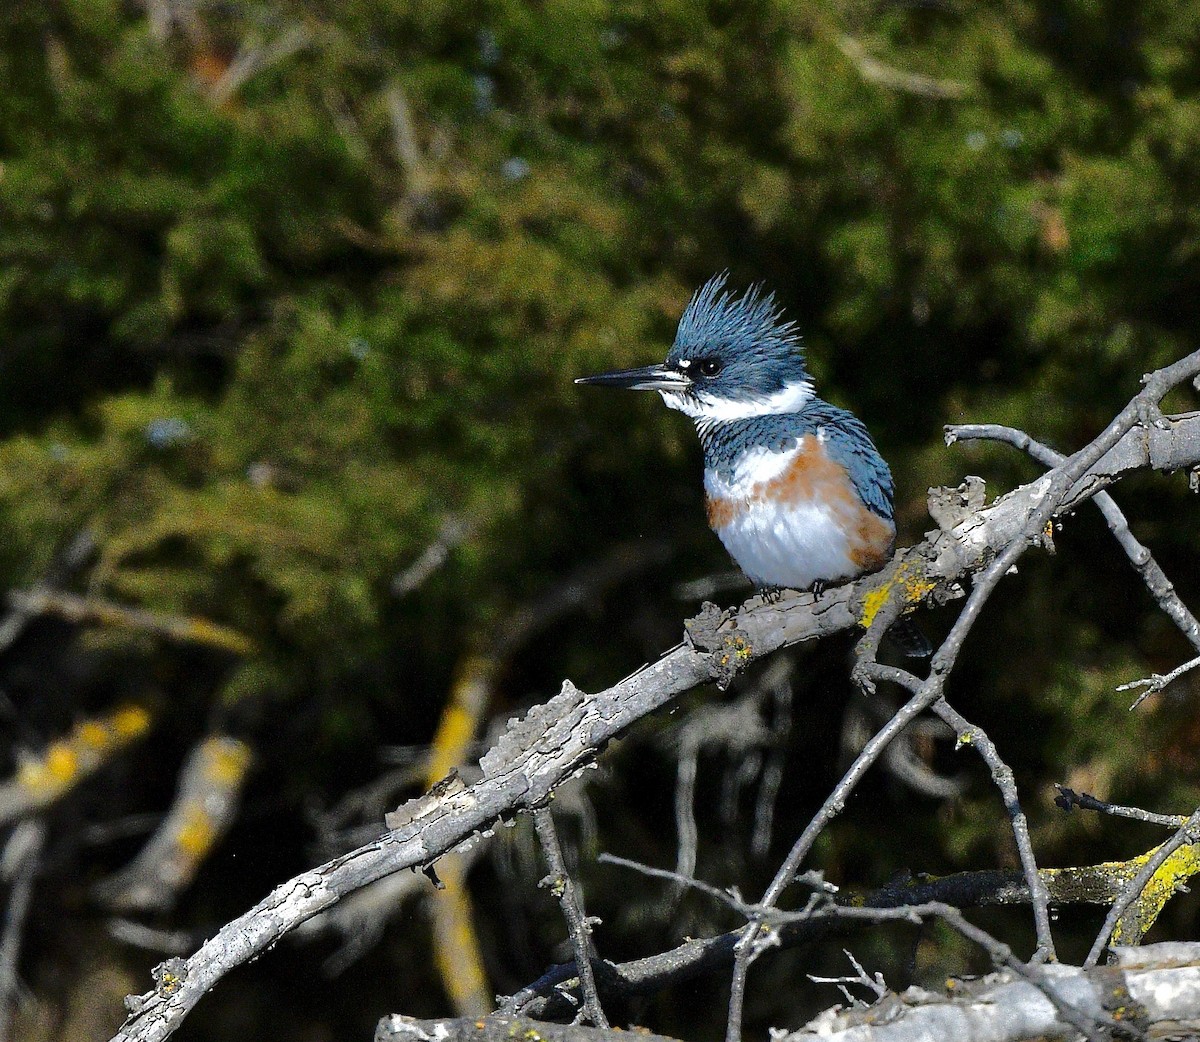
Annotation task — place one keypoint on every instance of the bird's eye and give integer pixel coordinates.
(710, 366)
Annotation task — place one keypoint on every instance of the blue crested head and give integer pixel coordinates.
(734, 356)
(738, 347)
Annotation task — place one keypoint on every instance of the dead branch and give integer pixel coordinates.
(555, 740)
(1151, 990)
(472, 693)
(1161, 588)
(498, 1028)
(45, 778)
(206, 803)
(548, 997)
(1002, 775)
(1167, 869)
(1069, 798)
(1158, 681)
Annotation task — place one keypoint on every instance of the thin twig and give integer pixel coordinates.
(1081, 885)
(1158, 681)
(562, 886)
(1002, 775)
(729, 896)
(876, 984)
(1068, 798)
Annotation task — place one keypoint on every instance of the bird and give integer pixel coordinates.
(794, 486)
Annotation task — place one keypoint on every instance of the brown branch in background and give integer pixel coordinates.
(873, 71)
(206, 804)
(46, 777)
(254, 57)
(95, 611)
(66, 564)
(558, 738)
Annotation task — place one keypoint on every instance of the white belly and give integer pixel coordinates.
(790, 546)
(791, 543)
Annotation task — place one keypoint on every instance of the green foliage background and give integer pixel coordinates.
(264, 357)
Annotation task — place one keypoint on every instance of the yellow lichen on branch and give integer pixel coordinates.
(908, 581)
(1171, 877)
(64, 763)
(456, 947)
(210, 787)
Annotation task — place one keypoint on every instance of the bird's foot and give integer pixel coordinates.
(771, 594)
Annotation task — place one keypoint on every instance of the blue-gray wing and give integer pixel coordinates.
(848, 443)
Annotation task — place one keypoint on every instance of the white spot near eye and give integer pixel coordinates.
(685, 363)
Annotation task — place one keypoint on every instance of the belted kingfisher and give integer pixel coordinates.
(796, 490)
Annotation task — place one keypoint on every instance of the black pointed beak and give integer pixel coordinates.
(647, 378)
